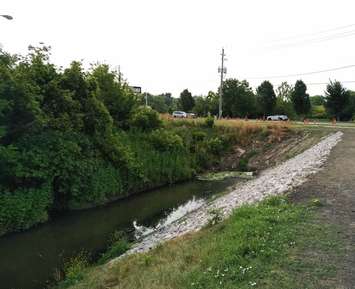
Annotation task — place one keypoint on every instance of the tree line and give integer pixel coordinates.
(240, 101)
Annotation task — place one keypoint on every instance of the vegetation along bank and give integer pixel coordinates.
(72, 139)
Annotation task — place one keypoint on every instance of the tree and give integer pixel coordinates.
(116, 95)
(337, 98)
(187, 102)
(201, 106)
(300, 98)
(317, 100)
(266, 98)
(238, 98)
(284, 91)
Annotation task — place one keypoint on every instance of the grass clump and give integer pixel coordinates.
(260, 246)
(119, 245)
(74, 269)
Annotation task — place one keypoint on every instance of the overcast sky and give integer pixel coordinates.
(170, 45)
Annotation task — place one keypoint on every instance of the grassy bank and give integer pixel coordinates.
(260, 246)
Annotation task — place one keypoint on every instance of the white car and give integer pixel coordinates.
(277, 117)
(180, 114)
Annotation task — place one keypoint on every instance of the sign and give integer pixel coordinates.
(136, 89)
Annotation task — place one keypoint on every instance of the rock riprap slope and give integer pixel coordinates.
(271, 182)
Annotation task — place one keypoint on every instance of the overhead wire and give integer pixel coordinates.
(305, 73)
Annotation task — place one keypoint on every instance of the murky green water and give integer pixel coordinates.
(29, 259)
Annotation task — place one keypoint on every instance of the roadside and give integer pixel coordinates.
(334, 186)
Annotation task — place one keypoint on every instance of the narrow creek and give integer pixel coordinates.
(29, 259)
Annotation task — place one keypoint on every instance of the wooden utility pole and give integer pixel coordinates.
(223, 71)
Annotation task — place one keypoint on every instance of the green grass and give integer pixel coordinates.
(275, 244)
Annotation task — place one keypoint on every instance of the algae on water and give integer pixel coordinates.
(224, 175)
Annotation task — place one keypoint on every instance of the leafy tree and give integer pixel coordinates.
(300, 98)
(187, 102)
(284, 107)
(116, 95)
(201, 106)
(317, 100)
(238, 98)
(266, 97)
(284, 91)
(212, 100)
(337, 98)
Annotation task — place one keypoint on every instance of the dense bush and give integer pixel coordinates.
(209, 121)
(24, 208)
(145, 118)
(164, 140)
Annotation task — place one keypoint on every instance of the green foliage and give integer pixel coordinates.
(337, 98)
(284, 91)
(238, 99)
(117, 96)
(317, 100)
(119, 245)
(209, 121)
(284, 107)
(74, 269)
(243, 165)
(266, 98)
(24, 208)
(73, 138)
(300, 98)
(319, 111)
(215, 146)
(145, 118)
(187, 102)
(165, 140)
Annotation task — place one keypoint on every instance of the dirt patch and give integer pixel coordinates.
(262, 154)
(334, 188)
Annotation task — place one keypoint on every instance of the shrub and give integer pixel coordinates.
(243, 165)
(215, 146)
(164, 140)
(209, 121)
(145, 118)
(119, 245)
(198, 135)
(23, 208)
(74, 269)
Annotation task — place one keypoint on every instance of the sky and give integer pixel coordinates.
(170, 45)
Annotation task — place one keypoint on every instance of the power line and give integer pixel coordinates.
(324, 83)
(313, 33)
(306, 73)
(309, 41)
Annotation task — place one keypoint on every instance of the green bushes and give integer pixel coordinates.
(145, 118)
(209, 121)
(119, 245)
(164, 140)
(24, 208)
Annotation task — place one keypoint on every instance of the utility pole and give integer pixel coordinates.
(146, 99)
(222, 70)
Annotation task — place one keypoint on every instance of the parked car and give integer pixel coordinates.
(179, 114)
(191, 115)
(277, 117)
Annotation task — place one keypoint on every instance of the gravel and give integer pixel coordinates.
(271, 182)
